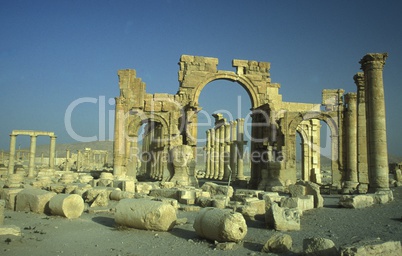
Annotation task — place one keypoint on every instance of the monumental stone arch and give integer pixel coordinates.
(308, 126)
(171, 126)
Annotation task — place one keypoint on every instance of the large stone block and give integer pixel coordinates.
(220, 225)
(303, 203)
(118, 195)
(241, 194)
(9, 195)
(216, 189)
(66, 205)
(282, 219)
(372, 248)
(297, 190)
(98, 196)
(313, 189)
(165, 192)
(358, 201)
(145, 214)
(34, 200)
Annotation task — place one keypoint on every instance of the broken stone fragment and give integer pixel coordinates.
(319, 246)
(221, 225)
(216, 189)
(372, 248)
(10, 230)
(358, 201)
(313, 189)
(282, 219)
(34, 200)
(66, 205)
(278, 243)
(145, 214)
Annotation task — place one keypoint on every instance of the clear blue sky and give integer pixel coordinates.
(55, 52)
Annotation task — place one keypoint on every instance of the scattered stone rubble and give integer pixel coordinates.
(165, 187)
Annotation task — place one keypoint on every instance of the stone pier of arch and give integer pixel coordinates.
(171, 121)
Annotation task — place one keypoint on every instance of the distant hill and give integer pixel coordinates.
(74, 147)
(108, 145)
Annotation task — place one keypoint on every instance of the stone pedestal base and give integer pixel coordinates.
(362, 188)
(349, 187)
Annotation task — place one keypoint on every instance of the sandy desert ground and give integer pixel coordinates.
(97, 234)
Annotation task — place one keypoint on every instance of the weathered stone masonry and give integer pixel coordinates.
(171, 121)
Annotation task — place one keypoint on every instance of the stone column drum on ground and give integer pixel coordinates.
(220, 224)
(145, 214)
(372, 64)
(70, 206)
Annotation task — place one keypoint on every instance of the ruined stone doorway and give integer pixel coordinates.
(230, 99)
(314, 152)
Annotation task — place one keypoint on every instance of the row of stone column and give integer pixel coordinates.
(86, 160)
(311, 150)
(154, 153)
(224, 151)
(365, 123)
(32, 153)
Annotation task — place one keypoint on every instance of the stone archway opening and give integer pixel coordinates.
(326, 153)
(150, 159)
(224, 102)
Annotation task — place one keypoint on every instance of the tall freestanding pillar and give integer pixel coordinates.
(212, 154)
(362, 168)
(52, 151)
(372, 64)
(119, 139)
(208, 154)
(240, 145)
(11, 159)
(32, 153)
(233, 149)
(351, 180)
(226, 157)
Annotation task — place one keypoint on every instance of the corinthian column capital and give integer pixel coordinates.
(373, 61)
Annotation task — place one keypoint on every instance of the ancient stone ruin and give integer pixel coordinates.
(356, 121)
(155, 171)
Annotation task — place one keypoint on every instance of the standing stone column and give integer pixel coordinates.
(52, 151)
(240, 144)
(11, 159)
(233, 149)
(351, 180)
(67, 165)
(119, 139)
(217, 155)
(306, 163)
(78, 159)
(212, 154)
(372, 64)
(362, 168)
(32, 153)
(226, 156)
(208, 154)
(221, 151)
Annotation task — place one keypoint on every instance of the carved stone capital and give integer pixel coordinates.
(373, 61)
